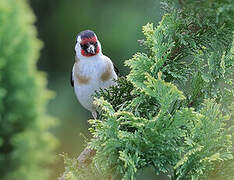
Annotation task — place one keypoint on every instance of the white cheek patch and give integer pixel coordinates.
(76, 47)
(100, 47)
(78, 50)
(78, 39)
(96, 37)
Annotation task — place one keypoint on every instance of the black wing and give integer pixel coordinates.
(116, 70)
(72, 80)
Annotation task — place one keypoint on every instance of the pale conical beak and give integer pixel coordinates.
(91, 49)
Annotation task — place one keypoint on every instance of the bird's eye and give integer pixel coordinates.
(84, 46)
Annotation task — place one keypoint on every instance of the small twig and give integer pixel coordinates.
(62, 178)
(85, 157)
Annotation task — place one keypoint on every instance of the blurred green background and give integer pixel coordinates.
(118, 25)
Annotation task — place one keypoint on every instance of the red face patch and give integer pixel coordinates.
(89, 40)
(92, 40)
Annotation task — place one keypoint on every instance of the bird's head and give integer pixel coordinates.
(87, 45)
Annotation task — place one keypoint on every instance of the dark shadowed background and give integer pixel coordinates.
(118, 25)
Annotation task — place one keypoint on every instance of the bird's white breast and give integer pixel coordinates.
(91, 75)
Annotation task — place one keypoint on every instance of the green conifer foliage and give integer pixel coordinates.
(173, 111)
(25, 144)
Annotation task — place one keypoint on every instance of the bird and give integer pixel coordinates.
(92, 70)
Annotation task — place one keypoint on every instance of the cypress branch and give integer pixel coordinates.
(173, 110)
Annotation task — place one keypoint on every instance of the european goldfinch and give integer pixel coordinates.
(92, 70)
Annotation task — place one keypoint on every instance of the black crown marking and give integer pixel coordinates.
(86, 34)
